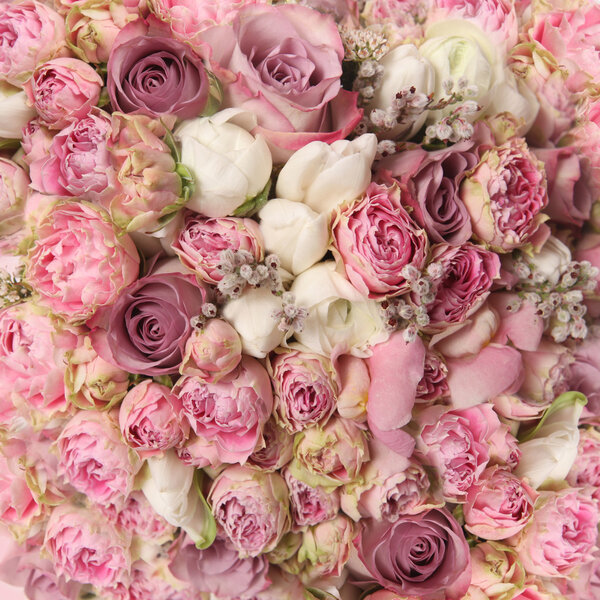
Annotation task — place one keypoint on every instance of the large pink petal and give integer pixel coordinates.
(524, 328)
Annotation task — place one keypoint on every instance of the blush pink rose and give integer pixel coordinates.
(14, 184)
(139, 519)
(277, 450)
(434, 383)
(375, 239)
(148, 580)
(586, 468)
(78, 263)
(35, 142)
(284, 63)
(407, 16)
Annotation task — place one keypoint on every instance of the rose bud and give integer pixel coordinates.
(497, 567)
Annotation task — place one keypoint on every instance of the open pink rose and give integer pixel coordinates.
(277, 450)
(139, 518)
(586, 468)
(14, 184)
(283, 63)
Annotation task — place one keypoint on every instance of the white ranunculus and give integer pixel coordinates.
(229, 164)
(551, 260)
(326, 175)
(295, 232)
(14, 112)
(252, 317)
(338, 314)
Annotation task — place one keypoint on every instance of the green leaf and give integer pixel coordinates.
(210, 526)
(252, 206)
(169, 140)
(215, 96)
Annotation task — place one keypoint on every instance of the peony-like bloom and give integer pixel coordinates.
(424, 555)
(586, 467)
(284, 64)
(277, 451)
(14, 191)
(63, 90)
(252, 508)
(434, 383)
(150, 418)
(505, 194)
(305, 389)
(154, 75)
(78, 263)
(375, 239)
(36, 141)
(95, 460)
(230, 412)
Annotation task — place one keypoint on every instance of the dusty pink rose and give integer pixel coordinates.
(251, 507)
(424, 555)
(95, 460)
(562, 534)
(30, 34)
(290, 81)
(375, 239)
(14, 184)
(139, 518)
(42, 581)
(277, 451)
(78, 263)
(498, 505)
(150, 418)
(584, 373)
(87, 548)
(231, 412)
(148, 580)
(36, 141)
(434, 384)
(586, 468)
(63, 90)
(504, 195)
(201, 241)
(199, 452)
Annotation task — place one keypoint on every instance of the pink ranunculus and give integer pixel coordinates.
(201, 241)
(151, 420)
(498, 505)
(277, 451)
(95, 460)
(424, 556)
(139, 518)
(30, 34)
(231, 412)
(14, 191)
(63, 90)
(85, 547)
(562, 534)
(78, 263)
(251, 507)
(505, 194)
(304, 387)
(283, 63)
(586, 468)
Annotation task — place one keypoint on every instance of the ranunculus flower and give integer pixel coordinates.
(325, 175)
(63, 90)
(498, 505)
(291, 81)
(277, 451)
(252, 509)
(305, 389)
(31, 33)
(78, 263)
(424, 555)
(375, 238)
(505, 194)
(152, 74)
(230, 412)
(95, 460)
(148, 327)
(13, 104)
(151, 419)
(200, 242)
(586, 467)
(14, 191)
(84, 546)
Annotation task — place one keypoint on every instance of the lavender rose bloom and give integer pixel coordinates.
(424, 555)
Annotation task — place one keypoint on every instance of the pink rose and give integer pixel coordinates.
(139, 519)
(408, 16)
(74, 535)
(14, 191)
(30, 34)
(251, 507)
(584, 373)
(586, 468)
(148, 580)
(375, 239)
(290, 81)
(150, 418)
(498, 505)
(78, 263)
(434, 384)
(42, 581)
(95, 460)
(36, 141)
(231, 412)
(63, 90)
(277, 451)
(201, 241)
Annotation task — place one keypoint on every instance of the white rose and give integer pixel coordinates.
(230, 165)
(551, 453)
(14, 112)
(296, 233)
(551, 260)
(325, 175)
(251, 315)
(338, 314)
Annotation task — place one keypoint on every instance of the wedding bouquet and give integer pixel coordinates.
(298, 299)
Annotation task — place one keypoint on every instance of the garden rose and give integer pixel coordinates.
(35, 142)
(291, 80)
(434, 384)
(138, 518)
(277, 451)
(586, 467)
(14, 191)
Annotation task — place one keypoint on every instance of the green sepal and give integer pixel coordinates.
(210, 528)
(252, 206)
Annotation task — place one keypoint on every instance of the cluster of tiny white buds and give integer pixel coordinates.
(363, 44)
(423, 284)
(399, 314)
(404, 109)
(452, 128)
(385, 148)
(291, 317)
(240, 269)
(207, 311)
(368, 79)
(12, 288)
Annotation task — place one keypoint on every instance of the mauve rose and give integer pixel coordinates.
(424, 555)
(200, 242)
(154, 75)
(219, 570)
(151, 420)
(375, 238)
(78, 263)
(148, 327)
(284, 64)
(586, 468)
(251, 507)
(277, 451)
(14, 191)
